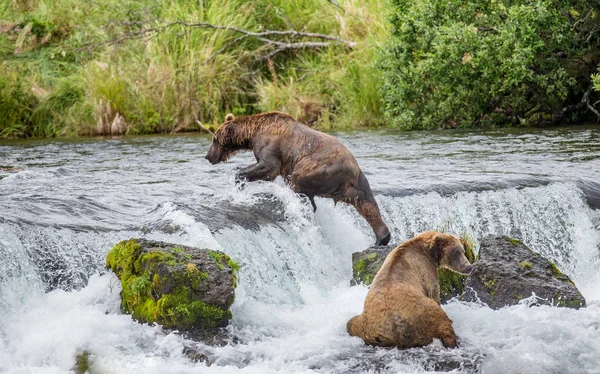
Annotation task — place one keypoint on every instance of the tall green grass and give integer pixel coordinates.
(61, 80)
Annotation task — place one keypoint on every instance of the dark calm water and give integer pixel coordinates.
(64, 203)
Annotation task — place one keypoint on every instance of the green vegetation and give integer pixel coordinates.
(453, 63)
(526, 265)
(91, 68)
(489, 284)
(82, 363)
(365, 269)
(221, 259)
(150, 297)
(130, 67)
(559, 274)
(513, 241)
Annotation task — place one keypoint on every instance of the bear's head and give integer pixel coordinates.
(224, 142)
(450, 253)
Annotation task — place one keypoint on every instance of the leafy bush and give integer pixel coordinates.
(452, 63)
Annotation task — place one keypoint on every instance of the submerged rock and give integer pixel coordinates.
(195, 355)
(508, 271)
(183, 288)
(366, 264)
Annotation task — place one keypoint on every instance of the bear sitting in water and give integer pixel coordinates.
(402, 306)
(311, 162)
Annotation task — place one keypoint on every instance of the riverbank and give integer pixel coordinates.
(89, 68)
(71, 68)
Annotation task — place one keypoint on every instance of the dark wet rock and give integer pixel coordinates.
(268, 209)
(432, 358)
(182, 288)
(195, 355)
(366, 264)
(508, 271)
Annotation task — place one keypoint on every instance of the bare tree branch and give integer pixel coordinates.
(335, 4)
(266, 36)
(204, 127)
(585, 101)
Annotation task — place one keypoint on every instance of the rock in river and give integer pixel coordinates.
(508, 271)
(183, 288)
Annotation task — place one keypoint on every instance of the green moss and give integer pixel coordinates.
(82, 363)
(518, 297)
(567, 303)
(142, 286)
(513, 241)
(451, 284)
(221, 259)
(135, 291)
(235, 269)
(526, 265)
(182, 252)
(150, 259)
(194, 276)
(177, 309)
(121, 257)
(468, 243)
(559, 274)
(489, 284)
(371, 257)
(361, 269)
(218, 257)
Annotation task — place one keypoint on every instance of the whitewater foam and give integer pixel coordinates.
(294, 299)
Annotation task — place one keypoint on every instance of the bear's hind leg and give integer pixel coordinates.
(447, 335)
(355, 326)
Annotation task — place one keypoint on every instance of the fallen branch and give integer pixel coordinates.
(266, 36)
(594, 110)
(585, 101)
(204, 127)
(335, 4)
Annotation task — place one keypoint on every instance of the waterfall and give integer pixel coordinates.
(293, 297)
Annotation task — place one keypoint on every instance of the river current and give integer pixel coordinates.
(65, 203)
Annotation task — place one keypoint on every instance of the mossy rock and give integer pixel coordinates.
(508, 271)
(178, 287)
(366, 264)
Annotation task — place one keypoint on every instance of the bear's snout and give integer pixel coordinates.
(468, 269)
(213, 154)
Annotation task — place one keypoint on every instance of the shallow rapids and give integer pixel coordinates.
(67, 203)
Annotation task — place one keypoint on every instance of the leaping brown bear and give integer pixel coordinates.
(311, 162)
(402, 306)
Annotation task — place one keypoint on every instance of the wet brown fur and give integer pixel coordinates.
(311, 162)
(402, 306)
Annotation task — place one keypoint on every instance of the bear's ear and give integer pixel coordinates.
(439, 241)
(229, 117)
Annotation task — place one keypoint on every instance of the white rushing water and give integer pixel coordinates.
(294, 298)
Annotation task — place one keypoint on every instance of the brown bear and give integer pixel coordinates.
(311, 162)
(402, 306)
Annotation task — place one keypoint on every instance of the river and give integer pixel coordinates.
(65, 203)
